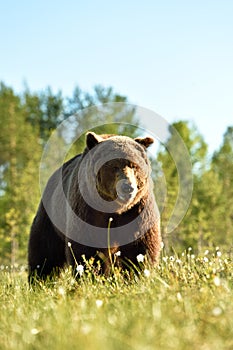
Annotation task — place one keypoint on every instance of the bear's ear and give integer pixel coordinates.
(92, 139)
(146, 141)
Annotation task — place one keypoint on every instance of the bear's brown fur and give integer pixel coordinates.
(96, 204)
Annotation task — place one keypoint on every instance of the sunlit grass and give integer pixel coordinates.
(185, 302)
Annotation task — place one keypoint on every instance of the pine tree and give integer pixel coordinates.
(20, 154)
(45, 111)
(222, 166)
(186, 233)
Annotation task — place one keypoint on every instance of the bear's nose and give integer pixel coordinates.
(127, 187)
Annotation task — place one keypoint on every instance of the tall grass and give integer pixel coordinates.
(186, 302)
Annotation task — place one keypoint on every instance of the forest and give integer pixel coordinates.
(27, 120)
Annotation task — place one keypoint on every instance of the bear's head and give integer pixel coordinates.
(118, 168)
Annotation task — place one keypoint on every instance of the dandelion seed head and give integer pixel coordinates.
(61, 291)
(86, 329)
(80, 269)
(146, 273)
(217, 311)
(118, 253)
(140, 257)
(34, 331)
(217, 281)
(179, 296)
(99, 303)
(112, 319)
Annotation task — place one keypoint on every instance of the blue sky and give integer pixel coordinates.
(173, 56)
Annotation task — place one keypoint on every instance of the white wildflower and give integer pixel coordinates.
(217, 281)
(179, 296)
(69, 244)
(112, 319)
(146, 273)
(118, 253)
(80, 269)
(99, 303)
(162, 245)
(217, 311)
(219, 253)
(86, 329)
(61, 291)
(205, 259)
(34, 331)
(140, 258)
(206, 252)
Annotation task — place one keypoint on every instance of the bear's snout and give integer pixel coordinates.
(126, 190)
(127, 187)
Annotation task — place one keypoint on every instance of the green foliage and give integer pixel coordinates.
(184, 303)
(44, 111)
(209, 219)
(222, 166)
(197, 153)
(19, 195)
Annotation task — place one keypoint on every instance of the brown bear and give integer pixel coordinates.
(99, 204)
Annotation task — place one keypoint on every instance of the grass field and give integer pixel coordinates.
(186, 302)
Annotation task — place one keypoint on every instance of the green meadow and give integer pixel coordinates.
(186, 302)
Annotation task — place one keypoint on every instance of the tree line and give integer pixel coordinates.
(27, 121)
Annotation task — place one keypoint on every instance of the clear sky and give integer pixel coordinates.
(172, 56)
